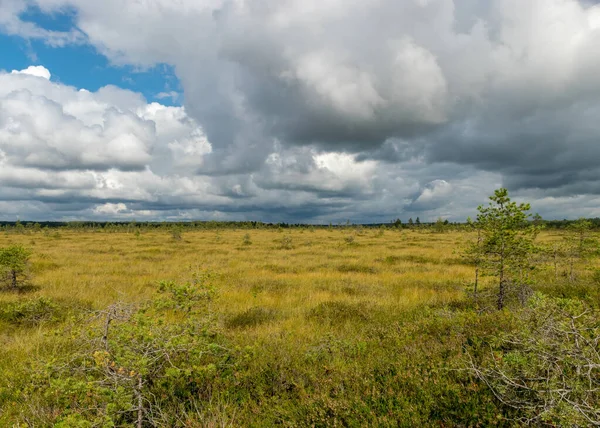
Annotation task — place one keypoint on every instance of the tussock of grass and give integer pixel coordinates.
(279, 269)
(351, 290)
(339, 312)
(252, 317)
(39, 266)
(357, 268)
(271, 285)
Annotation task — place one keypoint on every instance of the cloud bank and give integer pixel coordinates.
(311, 110)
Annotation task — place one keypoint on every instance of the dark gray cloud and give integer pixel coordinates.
(546, 148)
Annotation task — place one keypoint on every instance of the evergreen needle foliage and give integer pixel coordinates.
(505, 243)
(14, 264)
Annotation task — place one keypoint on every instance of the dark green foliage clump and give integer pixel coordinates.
(247, 240)
(14, 265)
(31, 312)
(176, 233)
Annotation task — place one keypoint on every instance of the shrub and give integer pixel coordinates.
(177, 233)
(247, 240)
(286, 243)
(36, 311)
(349, 239)
(127, 364)
(548, 367)
(14, 265)
(28, 312)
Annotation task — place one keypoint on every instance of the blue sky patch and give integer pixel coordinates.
(64, 20)
(81, 65)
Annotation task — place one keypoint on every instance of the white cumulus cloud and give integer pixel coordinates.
(35, 70)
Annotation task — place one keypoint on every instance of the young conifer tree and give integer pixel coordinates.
(507, 241)
(14, 263)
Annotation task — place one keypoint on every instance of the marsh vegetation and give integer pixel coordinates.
(326, 326)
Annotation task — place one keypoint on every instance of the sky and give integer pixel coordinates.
(311, 111)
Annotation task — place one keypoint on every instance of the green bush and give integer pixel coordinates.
(32, 312)
(14, 265)
(128, 364)
(547, 366)
(247, 240)
(177, 233)
(29, 312)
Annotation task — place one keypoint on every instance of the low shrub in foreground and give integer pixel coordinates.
(128, 364)
(548, 367)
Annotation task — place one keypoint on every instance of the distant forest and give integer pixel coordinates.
(33, 225)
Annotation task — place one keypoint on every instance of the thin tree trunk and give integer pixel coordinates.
(106, 327)
(501, 294)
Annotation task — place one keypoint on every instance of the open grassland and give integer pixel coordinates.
(397, 268)
(323, 327)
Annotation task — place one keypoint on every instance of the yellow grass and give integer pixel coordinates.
(397, 270)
